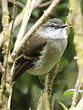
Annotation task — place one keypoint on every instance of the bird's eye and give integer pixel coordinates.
(57, 26)
(52, 25)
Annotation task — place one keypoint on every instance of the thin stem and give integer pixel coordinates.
(27, 13)
(45, 4)
(12, 26)
(1, 68)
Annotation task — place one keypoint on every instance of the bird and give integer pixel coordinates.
(44, 49)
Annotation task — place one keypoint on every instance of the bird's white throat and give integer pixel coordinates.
(54, 33)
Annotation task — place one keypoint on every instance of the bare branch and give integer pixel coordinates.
(2, 39)
(4, 5)
(5, 14)
(44, 101)
(5, 23)
(78, 42)
(19, 17)
(45, 4)
(1, 68)
(27, 13)
(18, 3)
(77, 87)
(38, 3)
(17, 21)
(69, 21)
(80, 104)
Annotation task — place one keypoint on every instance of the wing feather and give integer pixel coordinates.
(31, 54)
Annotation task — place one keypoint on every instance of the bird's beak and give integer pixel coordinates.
(63, 25)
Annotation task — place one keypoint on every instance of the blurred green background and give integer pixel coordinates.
(27, 89)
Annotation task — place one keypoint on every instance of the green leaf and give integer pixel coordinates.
(71, 91)
(65, 108)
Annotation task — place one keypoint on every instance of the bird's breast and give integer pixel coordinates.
(49, 56)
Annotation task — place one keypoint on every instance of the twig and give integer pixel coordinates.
(38, 2)
(2, 39)
(4, 85)
(33, 29)
(4, 5)
(77, 87)
(17, 22)
(1, 68)
(5, 18)
(45, 4)
(50, 79)
(80, 104)
(13, 70)
(69, 21)
(12, 25)
(78, 42)
(19, 17)
(18, 3)
(27, 13)
(45, 101)
(5, 23)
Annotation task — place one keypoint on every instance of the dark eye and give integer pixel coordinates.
(54, 25)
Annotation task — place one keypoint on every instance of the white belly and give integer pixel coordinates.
(50, 57)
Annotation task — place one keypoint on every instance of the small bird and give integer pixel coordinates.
(44, 49)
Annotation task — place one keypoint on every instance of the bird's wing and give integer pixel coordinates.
(30, 54)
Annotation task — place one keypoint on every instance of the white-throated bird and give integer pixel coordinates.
(44, 49)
